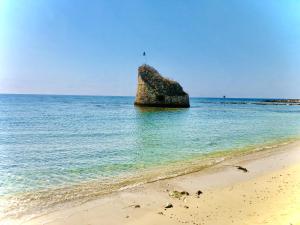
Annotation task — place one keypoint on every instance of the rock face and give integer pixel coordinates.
(155, 90)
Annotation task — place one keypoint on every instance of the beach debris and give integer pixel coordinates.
(184, 199)
(186, 207)
(178, 194)
(242, 169)
(185, 193)
(168, 206)
(198, 193)
(133, 206)
(127, 217)
(160, 213)
(245, 170)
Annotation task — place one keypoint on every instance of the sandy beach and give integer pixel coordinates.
(267, 194)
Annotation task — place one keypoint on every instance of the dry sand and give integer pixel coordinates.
(268, 194)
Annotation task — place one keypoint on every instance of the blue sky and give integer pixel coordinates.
(248, 48)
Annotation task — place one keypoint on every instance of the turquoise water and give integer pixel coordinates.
(50, 142)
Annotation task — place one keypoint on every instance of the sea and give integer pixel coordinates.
(60, 149)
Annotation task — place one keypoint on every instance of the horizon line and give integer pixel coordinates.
(88, 95)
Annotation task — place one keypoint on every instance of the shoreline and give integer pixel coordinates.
(47, 201)
(286, 155)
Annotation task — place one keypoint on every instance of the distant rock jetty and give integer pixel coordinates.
(155, 90)
(258, 102)
(284, 101)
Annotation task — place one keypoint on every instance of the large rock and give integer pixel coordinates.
(155, 90)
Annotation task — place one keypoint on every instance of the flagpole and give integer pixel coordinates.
(145, 57)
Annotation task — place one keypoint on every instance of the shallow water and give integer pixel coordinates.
(53, 143)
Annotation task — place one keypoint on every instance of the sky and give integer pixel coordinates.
(248, 48)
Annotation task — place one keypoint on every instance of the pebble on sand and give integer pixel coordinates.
(198, 193)
(168, 205)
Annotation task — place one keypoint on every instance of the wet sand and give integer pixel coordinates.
(269, 193)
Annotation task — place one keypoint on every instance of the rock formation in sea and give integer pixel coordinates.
(155, 90)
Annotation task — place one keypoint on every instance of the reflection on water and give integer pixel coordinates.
(155, 132)
(143, 109)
